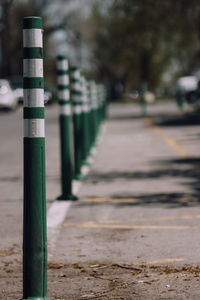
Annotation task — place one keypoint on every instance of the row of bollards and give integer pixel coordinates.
(88, 105)
(65, 129)
(82, 104)
(82, 110)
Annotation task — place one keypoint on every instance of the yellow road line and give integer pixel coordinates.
(171, 142)
(131, 227)
(184, 198)
(167, 218)
(114, 200)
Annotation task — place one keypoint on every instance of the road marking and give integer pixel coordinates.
(56, 215)
(114, 200)
(186, 217)
(57, 212)
(171, 142)
(92, 224)
(59, 209)
(166, 218)
(182, 199)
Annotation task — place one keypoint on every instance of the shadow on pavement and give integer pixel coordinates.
(162, 119)
(166, 172)
(127, 117)
(187, 119)
(171, 168)
(188, 168)
(11, 178)
(193, 172)
(169, 200)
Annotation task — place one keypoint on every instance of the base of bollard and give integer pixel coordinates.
(70, 197)
(36, 298)
(85, 163)
(79, 177)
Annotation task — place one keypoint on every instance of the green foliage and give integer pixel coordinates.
(142, 40)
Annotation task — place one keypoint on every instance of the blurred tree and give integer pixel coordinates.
(139, 41)
(4, 25)
(11, 17)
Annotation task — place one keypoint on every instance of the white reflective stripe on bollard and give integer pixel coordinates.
(62, 65)
(65, 109)
(63, 79)
(77, 109)
(34, 128)
(32, 37)
(33, 97)
(33, 67)
(64, 94)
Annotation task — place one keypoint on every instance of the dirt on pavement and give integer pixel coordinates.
(103, 281)
(161, 185)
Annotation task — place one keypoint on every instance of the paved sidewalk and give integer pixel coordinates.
(136, 226)
(140, 200)
(134, 233)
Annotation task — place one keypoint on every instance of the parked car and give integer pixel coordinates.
(189, 88)
(48, 94)
(17, 86)
(8, 99)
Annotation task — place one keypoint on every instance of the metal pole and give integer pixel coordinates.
(34, 226)
(142, 98)
(95, 110)
(90, 115)
(92, 112)
(65, 129)
(85, 119)
(76, 95)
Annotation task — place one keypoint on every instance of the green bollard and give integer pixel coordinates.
(65, 129)
(97, 108)
(93, 123)
(180, 99)
(34, 221)
(90, 116)
(95, 105)
(103, 91)
(102, 103)
(99, 93)
(76, 96)
(85, 119)
(142, 98)
(104, 96)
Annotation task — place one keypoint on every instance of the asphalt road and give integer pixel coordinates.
(139, 203)
(11, 176)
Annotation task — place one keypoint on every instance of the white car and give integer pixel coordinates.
(188, 87)
(187, 83)
(8, 99)
(17, 86)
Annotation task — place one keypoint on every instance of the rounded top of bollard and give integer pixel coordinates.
(61, 57)
(74, 68)
(32, 22)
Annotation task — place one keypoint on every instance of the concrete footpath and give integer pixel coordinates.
(134, 233)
